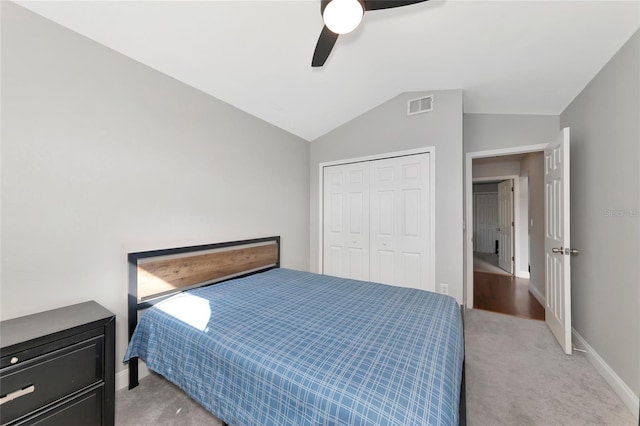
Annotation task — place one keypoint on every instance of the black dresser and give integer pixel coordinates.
(58, 367)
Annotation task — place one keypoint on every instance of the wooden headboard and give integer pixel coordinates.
(157, 274)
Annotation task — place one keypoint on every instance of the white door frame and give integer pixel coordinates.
(468, 206)
(431, 150)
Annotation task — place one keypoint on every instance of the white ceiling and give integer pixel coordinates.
(515, 57)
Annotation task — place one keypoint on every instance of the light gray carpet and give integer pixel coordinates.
(516, 374)
(157, 402)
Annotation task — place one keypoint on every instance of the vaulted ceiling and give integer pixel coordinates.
(514, 57)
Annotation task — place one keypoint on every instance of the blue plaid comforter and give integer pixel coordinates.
(286, 347)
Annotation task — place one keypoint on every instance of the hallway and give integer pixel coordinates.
(495, 290)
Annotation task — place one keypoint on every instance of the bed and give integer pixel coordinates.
(272, 346)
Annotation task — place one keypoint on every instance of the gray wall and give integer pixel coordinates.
(483, 188)
(605, 212)
(102, 155)
(387, 128)
(532, 166)
(495, 167)
(484, 132)
(522, 261)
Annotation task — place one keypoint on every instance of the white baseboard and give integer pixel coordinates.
(122, 377)
(523, 274)
(620, 387)
(536, 293)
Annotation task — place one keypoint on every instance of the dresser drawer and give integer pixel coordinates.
(11, 358)
(83, 410)
(48, 378)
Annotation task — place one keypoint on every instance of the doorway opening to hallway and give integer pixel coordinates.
(504, 213)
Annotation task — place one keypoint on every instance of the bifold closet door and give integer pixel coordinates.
(377, 221)
(346, 221)
(400, 222)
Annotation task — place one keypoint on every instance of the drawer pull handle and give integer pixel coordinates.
(14, 360)
(17, 394)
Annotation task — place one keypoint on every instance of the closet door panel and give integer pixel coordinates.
(346, 221)
(333, 260)
(411, 268)
(400, 223)
(384, 209)
(384, 268)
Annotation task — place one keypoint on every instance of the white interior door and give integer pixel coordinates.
(557, 239)
(505, 227)
(485, 223)
(400, 222)
(346, 221)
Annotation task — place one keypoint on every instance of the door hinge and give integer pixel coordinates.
(513, 224)
(513, 258)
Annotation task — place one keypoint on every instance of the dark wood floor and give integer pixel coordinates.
(505, 294)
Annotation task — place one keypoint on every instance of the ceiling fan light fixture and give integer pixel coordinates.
(342, 16)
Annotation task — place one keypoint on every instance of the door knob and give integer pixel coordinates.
(567, 251)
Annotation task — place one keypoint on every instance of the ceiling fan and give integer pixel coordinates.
(343, 16)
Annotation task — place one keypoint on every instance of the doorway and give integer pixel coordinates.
(554, 274)
(501, 250)
(494, 247)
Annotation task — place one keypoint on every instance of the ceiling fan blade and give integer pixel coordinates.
(325, 43)
(388, 4)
